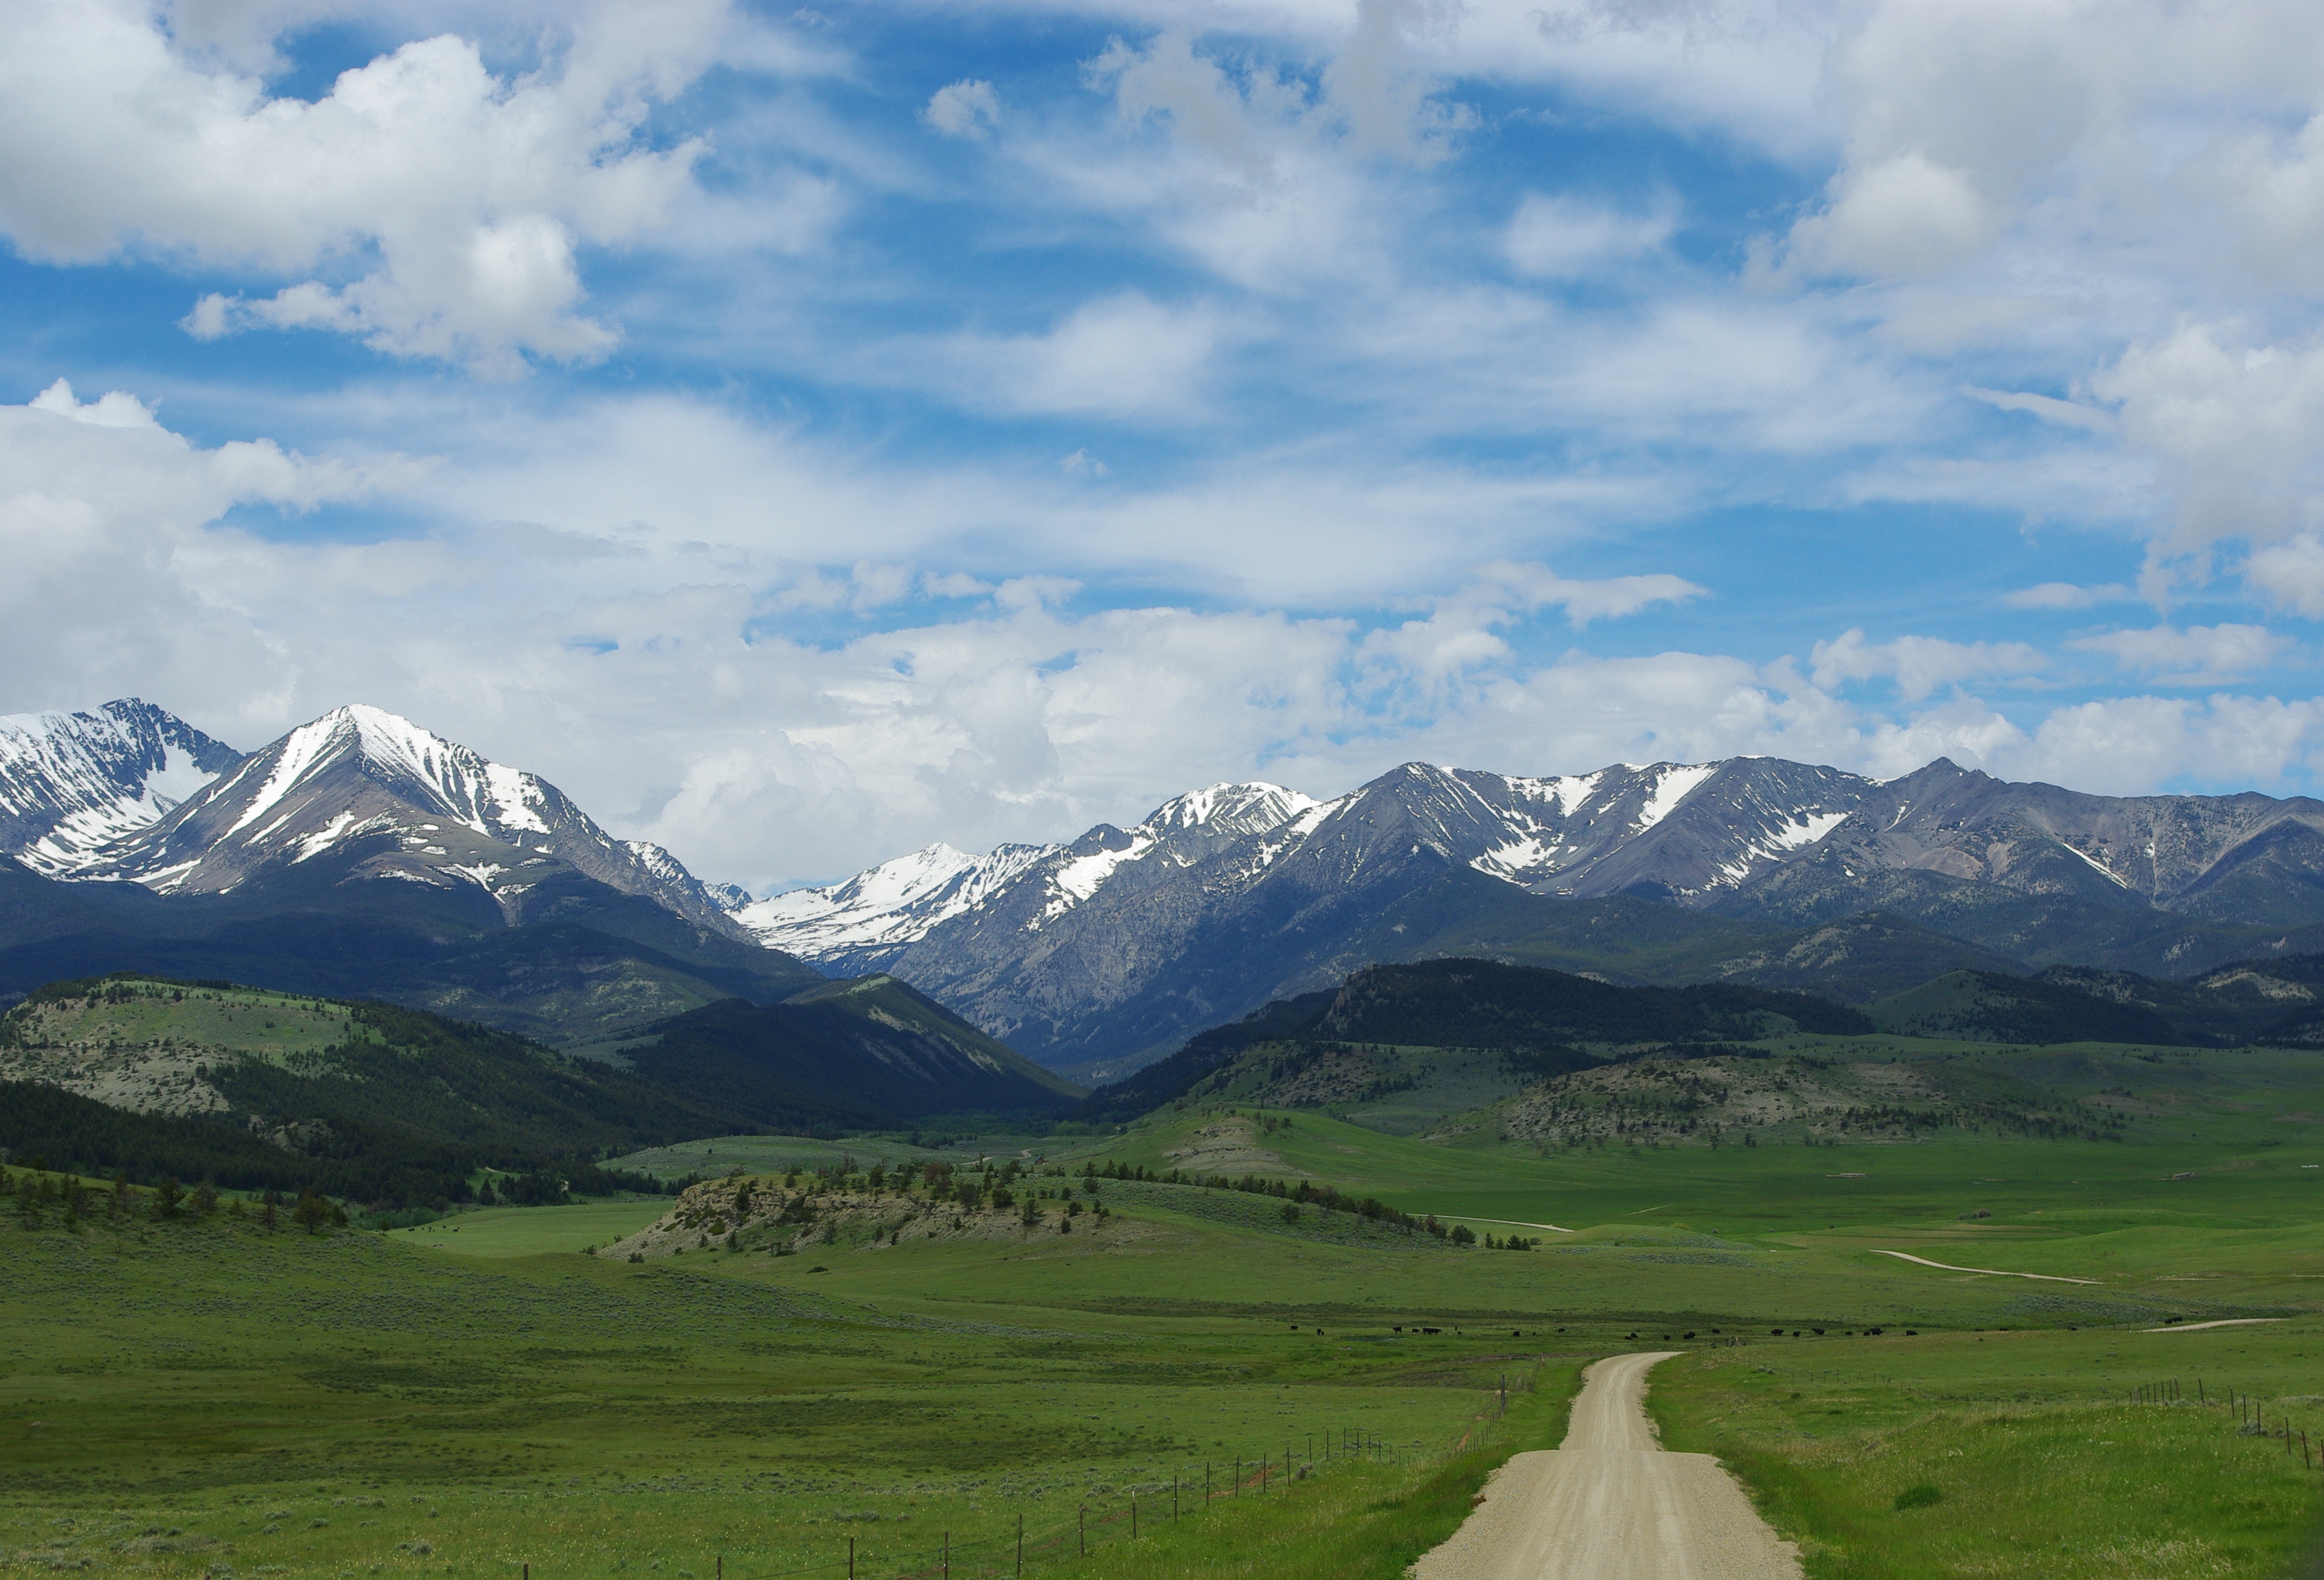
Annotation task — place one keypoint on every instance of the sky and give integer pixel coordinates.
(806, 433)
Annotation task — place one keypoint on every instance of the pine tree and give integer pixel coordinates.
(311, 1213)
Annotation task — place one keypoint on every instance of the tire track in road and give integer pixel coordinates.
(1611, 1504)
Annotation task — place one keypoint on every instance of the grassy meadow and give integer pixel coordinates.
(202, 1397)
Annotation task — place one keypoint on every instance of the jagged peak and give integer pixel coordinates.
(1252, 805)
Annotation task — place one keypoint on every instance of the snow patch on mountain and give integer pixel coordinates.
(1076, 880)
(1806, 829)
(894, 903)
(1517, 859)
(1672, 785)
(71, 784)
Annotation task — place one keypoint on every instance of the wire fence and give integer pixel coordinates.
(1022, 1549)
(2251, 1411)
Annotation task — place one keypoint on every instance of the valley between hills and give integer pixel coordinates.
(403, 1177)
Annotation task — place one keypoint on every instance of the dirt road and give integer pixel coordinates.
(1611, 1505)
(1994, 1272)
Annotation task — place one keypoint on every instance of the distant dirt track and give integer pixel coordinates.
(1519, 1223)
(1995, 1271)
(2222, 1322)
(1611, 1505)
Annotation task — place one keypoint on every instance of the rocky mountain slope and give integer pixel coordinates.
(1096, 956)
(377, 798)
(71, 784)
(358, 855)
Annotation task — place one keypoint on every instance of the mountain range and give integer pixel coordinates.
(361, 854)
(1097, 955)
(357, 857)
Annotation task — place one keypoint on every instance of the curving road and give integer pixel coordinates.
(1611, 1505)
(1994, 1272)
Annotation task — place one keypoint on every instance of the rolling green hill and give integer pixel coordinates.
(272, 1089)
(861, 1054)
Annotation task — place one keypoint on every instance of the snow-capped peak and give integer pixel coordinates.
(892, 904)
(450, 778)
(72, 782)
(1231, 808)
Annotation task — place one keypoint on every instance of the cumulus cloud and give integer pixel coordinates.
(967, 109)
(435, 208)
(1919, 665)
(2238, 429)
(2290, 574)
(636, 665)
(2198, 655)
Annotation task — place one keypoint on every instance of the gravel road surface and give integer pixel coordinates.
(1611, 1505)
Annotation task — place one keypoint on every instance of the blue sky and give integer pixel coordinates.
(806, 433)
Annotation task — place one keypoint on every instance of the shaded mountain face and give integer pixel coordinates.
(71, 784)
(1099, 955)
(869, 1052)
(1543, 1020)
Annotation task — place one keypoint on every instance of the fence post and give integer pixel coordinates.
(1020, 1544)
(1133, 1516)
(1238, 1476)
(947, 1555)
(851, 1559)
(1082, 1525)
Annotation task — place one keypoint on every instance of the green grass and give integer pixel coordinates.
(502, 1232)
(596, 1418)
(478, 1386)
(2038, 1462)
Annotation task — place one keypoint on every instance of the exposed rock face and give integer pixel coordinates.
(70, 783)
(1098, 956)
(364, 789)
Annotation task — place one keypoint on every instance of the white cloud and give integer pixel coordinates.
(1919, 665)
(2066, 595)
(446, 202)
(2199, 655)
(1560, 236)
(1903, 217)
(967, 109)
(2239, 433)
(2290, 574)
(1119, 355)
(633, 663)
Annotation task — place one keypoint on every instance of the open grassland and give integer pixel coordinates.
(187, 1396)
(502, 1232)
(193, 1398)
(2017, 1453)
